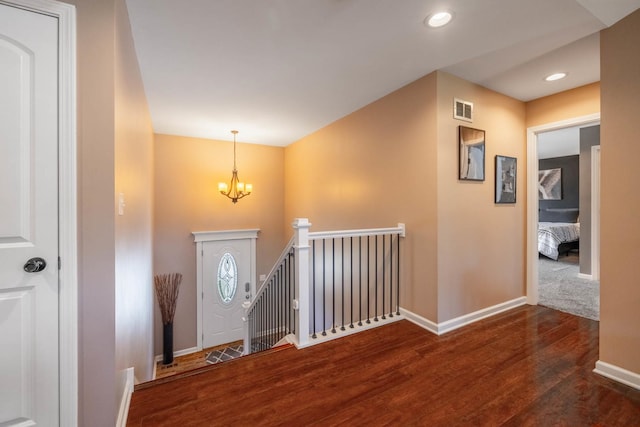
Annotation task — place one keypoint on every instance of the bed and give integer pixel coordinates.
(558, 232)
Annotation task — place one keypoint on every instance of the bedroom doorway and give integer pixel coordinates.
(533, 134)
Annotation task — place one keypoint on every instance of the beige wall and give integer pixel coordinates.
(375, 168)
(395, 160)
(581, 101)
(620, 202)
(105, 72)
(134, 179)
(96, 323)
(187, 172)
(481, 245)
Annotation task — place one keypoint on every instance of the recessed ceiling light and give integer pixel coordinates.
(439, 19)
(555, 76)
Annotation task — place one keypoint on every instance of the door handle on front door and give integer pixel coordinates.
(247, 289)
(35, 265)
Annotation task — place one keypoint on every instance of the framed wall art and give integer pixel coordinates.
(506, 174)
(550, 184)
(471, 146)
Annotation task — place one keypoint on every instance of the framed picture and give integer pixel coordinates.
(550, 184)
(471, 142)
(506, 174)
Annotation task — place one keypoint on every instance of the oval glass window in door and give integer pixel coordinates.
(227, 278)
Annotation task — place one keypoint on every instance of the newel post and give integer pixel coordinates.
(246, 339)
(301, 302)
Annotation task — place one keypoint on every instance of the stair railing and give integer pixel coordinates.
(270, 316)
(354, 281)
(326, 284)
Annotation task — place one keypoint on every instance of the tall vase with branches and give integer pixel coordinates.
(167, 287)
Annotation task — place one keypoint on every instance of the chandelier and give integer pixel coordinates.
(236, 190)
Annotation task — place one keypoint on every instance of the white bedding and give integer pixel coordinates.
(552, 234)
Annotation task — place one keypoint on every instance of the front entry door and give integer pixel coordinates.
(226, 285)
(28, 218)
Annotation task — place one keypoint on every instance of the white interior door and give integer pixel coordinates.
(29, 389)
(226, 284)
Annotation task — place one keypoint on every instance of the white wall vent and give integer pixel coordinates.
(462, 110)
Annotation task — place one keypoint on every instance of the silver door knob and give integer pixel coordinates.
(35, 265)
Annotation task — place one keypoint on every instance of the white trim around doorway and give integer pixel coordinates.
(200, 237)
(595, 212)
(68, 218)
(532, 195)
(67, 201)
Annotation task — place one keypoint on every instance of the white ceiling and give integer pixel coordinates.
(560, 142)
(278, 70)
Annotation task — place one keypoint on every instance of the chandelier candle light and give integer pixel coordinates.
(236, 190)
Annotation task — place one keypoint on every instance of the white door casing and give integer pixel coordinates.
(532, 196)
(595, 212)
(65, 14)
(28, 217)
(219, 320)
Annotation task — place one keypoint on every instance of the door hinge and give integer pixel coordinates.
(59, 263)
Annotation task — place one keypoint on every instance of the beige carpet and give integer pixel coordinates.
(560, 288)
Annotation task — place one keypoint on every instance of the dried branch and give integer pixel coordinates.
(167, 286)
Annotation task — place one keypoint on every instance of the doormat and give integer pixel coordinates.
(224, 354)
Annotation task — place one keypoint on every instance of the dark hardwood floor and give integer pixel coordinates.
(531, 366)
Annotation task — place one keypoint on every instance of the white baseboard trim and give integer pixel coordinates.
(125, 399)
(585, 276)
(458, 322)
(467, 319)
(287, 339)
(420, 321)
(184, 352)
(618, 374)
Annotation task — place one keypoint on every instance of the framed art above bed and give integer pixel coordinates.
(550, 184)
